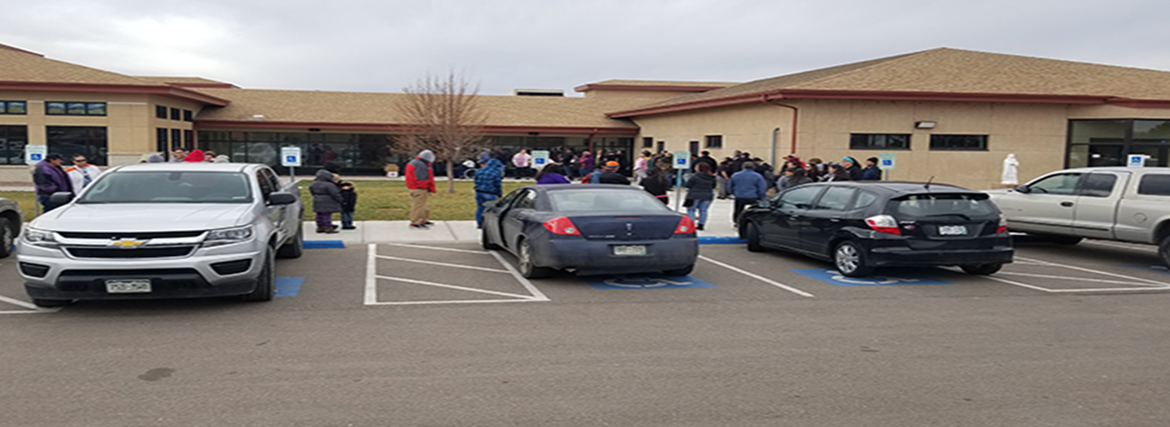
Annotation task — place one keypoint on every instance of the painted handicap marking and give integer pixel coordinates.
(1155, 268)
(649, 282)
(835, 278)
(324, 244)
(288, 286)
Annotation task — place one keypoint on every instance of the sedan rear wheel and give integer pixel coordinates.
(850, 260)
(7, 238)
(486, 241)
(527, 268)
(982, 269)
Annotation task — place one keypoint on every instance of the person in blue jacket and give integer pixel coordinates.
(871, 171)
(748, 187)
(489, 185)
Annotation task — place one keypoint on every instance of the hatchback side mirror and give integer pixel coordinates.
(61, 198)
(281, 198)
(764, 203)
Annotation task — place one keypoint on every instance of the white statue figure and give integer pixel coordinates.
(1010, 175)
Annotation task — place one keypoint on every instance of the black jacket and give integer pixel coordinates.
(655, 185)
(700, 187)
(607, 177)
(348, 200)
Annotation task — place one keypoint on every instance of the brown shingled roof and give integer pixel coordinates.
(184, 81)
(661, 83)
(943, 71)
(23, 66)
(358, 108)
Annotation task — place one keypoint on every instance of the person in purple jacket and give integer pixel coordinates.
(50, 178)
(552, 174)
(587, 162)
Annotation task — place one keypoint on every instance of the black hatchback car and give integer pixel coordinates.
(862, 225)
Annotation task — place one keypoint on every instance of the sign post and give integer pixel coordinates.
(290, 157)
(539, 159)
(34, 153)
(682, 162)
(887, 162)
(1136, 160)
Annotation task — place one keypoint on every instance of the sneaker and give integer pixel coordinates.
(428, 223)
(320, 229)
(699, 227)
(418, 226)
(349, 228)
(330, 231)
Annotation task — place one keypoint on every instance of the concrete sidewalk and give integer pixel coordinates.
(717, 228)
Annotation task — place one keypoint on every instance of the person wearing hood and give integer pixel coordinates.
(196, 156)
(420, 180)
(326, 200)
(552, 174)
(871, 171)
(489, 185)
(155, 158)
(851, 168)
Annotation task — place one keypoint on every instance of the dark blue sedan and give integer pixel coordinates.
(590, 229)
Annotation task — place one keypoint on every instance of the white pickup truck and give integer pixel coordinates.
(1109, 203)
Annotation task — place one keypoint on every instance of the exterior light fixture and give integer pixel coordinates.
(925, 124)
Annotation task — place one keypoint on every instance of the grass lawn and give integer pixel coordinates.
(377, 200)
(390, 200)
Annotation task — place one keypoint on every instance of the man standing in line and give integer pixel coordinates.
(705, 158)
(609, 175)
(488, 186)
(420, 180)
(178, 155)
(49, 179)
(82, 173)
(748, 187)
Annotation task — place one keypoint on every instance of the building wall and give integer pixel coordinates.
(1035, 133)
(129, 121)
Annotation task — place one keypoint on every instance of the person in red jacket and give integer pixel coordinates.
(420, 180)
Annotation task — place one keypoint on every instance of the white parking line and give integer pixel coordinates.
(33, 309)
(18, 302)
(444, 264)
(519, 278)
(459, 288)
(372, 275)
(1103, 273)
(462, 251)
(758, 277)
(1079, 279)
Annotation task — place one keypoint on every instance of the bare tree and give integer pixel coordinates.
(442, 114)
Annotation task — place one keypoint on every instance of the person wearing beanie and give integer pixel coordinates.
(609, 174)
(420, 180)
(196, 156)
(871, 171)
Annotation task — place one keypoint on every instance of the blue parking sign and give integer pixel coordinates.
(35, 156)
(290, 159)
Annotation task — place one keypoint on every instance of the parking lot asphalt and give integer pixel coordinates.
(448, 334)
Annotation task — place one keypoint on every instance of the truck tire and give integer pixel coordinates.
(266, 282)
(1164, 251)
(295, 247)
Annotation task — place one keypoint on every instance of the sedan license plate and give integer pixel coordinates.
(133, 286)
(952, 230)
(629, 250)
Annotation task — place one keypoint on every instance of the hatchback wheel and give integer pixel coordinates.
(527, 268)
(850, 260)
(982, 269)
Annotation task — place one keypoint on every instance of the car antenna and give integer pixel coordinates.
(927, 185)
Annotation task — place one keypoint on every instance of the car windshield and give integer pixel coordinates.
(603, 200)
(940, 205)
(169, 187)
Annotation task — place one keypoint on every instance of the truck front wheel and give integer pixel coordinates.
(1164, 251)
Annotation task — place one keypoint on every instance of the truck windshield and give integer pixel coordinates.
(170, 187)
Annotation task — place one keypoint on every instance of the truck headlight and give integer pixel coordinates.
(41, 238)
(227, 236)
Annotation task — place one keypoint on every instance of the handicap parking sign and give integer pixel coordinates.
(34, 153)
(648, 282)
(290, 156)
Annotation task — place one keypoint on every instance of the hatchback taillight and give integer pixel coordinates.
(685, 226)
(884, 224)
(562, 226)
(1002, 228)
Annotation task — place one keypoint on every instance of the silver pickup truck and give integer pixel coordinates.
(164, 230)
(1110, 203)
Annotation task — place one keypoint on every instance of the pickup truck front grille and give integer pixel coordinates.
(109, 235)
(118, 253)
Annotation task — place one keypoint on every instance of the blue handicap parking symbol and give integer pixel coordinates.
(290, 159)
(833, 277)
(288, 286)
(887, 162)
(649, 282)
(34, 156)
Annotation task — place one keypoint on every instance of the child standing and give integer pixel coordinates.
(348, 205)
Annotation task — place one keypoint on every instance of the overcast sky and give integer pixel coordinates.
(383, 46)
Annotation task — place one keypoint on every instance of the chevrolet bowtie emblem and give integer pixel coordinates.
(128, 243)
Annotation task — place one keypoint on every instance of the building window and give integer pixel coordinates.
(177, 139)
(714, 141)
(175, 114)
(188, 137)
(160, 112)
(12, 142)
(648, 142)
(75, 108)
(160, 144)
(13, 107)
(1108, 142)
(188, 116)
(88, 141)
(959, 142)
(879, 141)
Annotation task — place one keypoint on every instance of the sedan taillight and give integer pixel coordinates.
(685, 226)
(884, 224)
(562, 226)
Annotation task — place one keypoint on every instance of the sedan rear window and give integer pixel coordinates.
(602, 200)
(931, 205)
(169, 187)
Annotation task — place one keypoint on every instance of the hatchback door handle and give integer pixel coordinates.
(1067, 204)
(835, 219)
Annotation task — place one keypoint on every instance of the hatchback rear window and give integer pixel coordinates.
(931, 205)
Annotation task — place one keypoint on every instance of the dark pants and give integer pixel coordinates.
(46, 205)
(324, 220)
(480, 198)
(740, 204)
(347, 219)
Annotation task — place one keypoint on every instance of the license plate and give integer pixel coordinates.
(629, 250)
(952, 230)
(128, 286)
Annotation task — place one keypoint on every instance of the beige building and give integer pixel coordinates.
(946, 113)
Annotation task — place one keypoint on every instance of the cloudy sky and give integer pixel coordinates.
(383, 46)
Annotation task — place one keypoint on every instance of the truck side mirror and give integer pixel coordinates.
(1023, 189)
(281, 198)
(61, 198)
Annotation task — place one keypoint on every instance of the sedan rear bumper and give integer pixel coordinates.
(597, 256)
